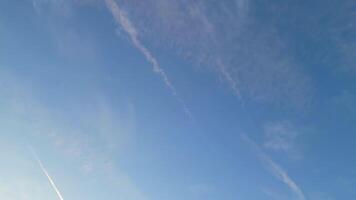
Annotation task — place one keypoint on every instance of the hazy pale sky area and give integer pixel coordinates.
(177, 99)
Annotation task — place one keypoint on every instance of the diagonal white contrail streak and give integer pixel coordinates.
(122, 20)
(47, 175)
(275, 169)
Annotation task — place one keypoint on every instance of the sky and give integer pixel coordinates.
(177, 99)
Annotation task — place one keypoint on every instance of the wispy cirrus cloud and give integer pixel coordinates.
(230, 38)
(123, 20)
(282, 136)
(275, 169)
(228, 77)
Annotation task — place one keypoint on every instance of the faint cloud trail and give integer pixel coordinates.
(277, 170)
(47, 174)
(233, 83)
(121, 18)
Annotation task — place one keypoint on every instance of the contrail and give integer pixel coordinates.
(47, 174)
(121, 18)
(233, 83)
(275, 169)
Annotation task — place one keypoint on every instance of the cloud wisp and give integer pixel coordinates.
(55, 188)
(282, 136)
(122, 19)
(227, 76)
(231, 40)
(275, 169)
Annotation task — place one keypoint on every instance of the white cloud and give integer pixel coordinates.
(257, 63)
(276, 169)
(122, 19)
(226, 37)
(281, 136)
(233, 82)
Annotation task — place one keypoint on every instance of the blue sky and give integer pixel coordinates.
(177, 99)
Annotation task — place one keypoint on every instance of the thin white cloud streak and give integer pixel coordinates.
(257, 62)
(55, 188)
(275, 169)
(233, 83)
(121, 18)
